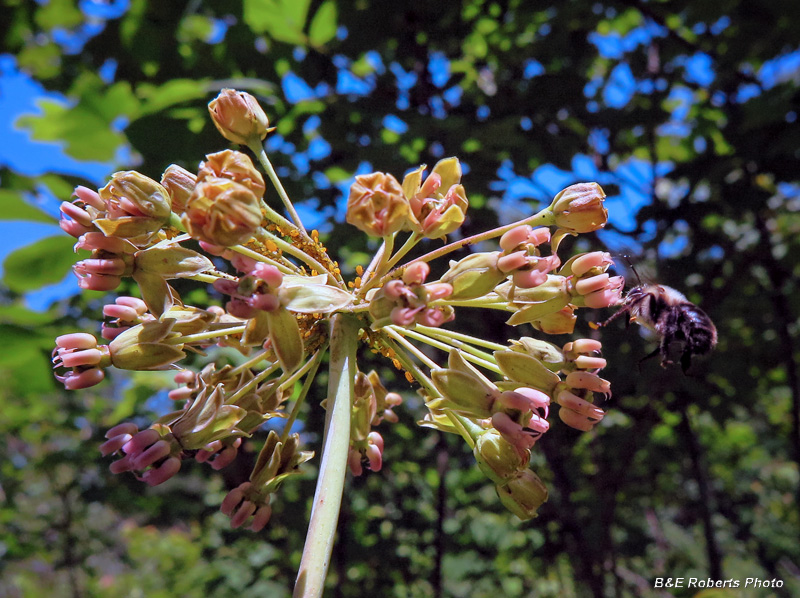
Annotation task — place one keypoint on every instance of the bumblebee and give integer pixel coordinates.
(683, 328)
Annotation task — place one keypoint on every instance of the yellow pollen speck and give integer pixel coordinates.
(396, 363)
(359, 269)
(409, 377)
(271, 246)
(358, 281)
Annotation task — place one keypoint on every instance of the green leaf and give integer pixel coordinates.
(24, 366)
(323, 25)
(23, 316)
(37, 265)
(287, 342)
(283, 20)
(16, 208)
(314, 298)
(156, 98)
(86, 134)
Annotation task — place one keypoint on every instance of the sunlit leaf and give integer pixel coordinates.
(42, 263)
(16, 208)
(323, 25)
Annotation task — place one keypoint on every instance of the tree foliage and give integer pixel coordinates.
(686, 112)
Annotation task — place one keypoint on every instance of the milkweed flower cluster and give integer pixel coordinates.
(282, 303)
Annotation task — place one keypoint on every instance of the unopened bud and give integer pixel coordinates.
(235, 166)
(474, 276)
(180, 183)
(579, 208)
(523, 495)
(377, 206)
(222, 212)
(497, 458)
(238, 116)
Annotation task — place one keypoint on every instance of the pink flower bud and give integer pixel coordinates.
(153, 453)
(583, 345)
(403, 316)
(141, 441)
(260, 518)
(128, 428)
(588, 381)
(268, 273)
(438, 290)
(592, 284)
(354, 462)
(90, 197)
(585, 362)
(238, 116)
(595, 259)
(515, 237)
(432, 317)
(242, 514)
(77, 215)
(234, 498)
(114, 444)
(416, 273)
(264, 301)
(159, 475)
(576, 420)
(539, 235)
(241, 262)
(76, 340)
(529, 279)
(512, 261)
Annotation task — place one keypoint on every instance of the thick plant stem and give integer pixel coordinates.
(336, 442)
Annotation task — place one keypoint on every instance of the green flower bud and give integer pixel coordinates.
(136, 206)
(464, 390)
(285, 338)
(147, 346)
(579, 208)
(277, 461)
(208, 419)
(527, 370)
(364, 408)
(549, 354)
(474, 276)
(523, 495)
(238, 117)
(497, 458)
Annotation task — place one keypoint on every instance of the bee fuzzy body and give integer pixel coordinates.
(675, 319)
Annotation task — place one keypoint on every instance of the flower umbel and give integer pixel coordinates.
(260, 306)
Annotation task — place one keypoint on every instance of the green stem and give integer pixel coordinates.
(264, 234)
(336, 442)
(378, 266)
(410, 348)
(407, 246)
(312, 370)
(257, 379)
(542, 218)
(258, 150)
(466, 338)
(420, 376)
(246, 251)
(472, 354)
(204, 336)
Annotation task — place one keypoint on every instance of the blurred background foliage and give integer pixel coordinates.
(686, 112)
